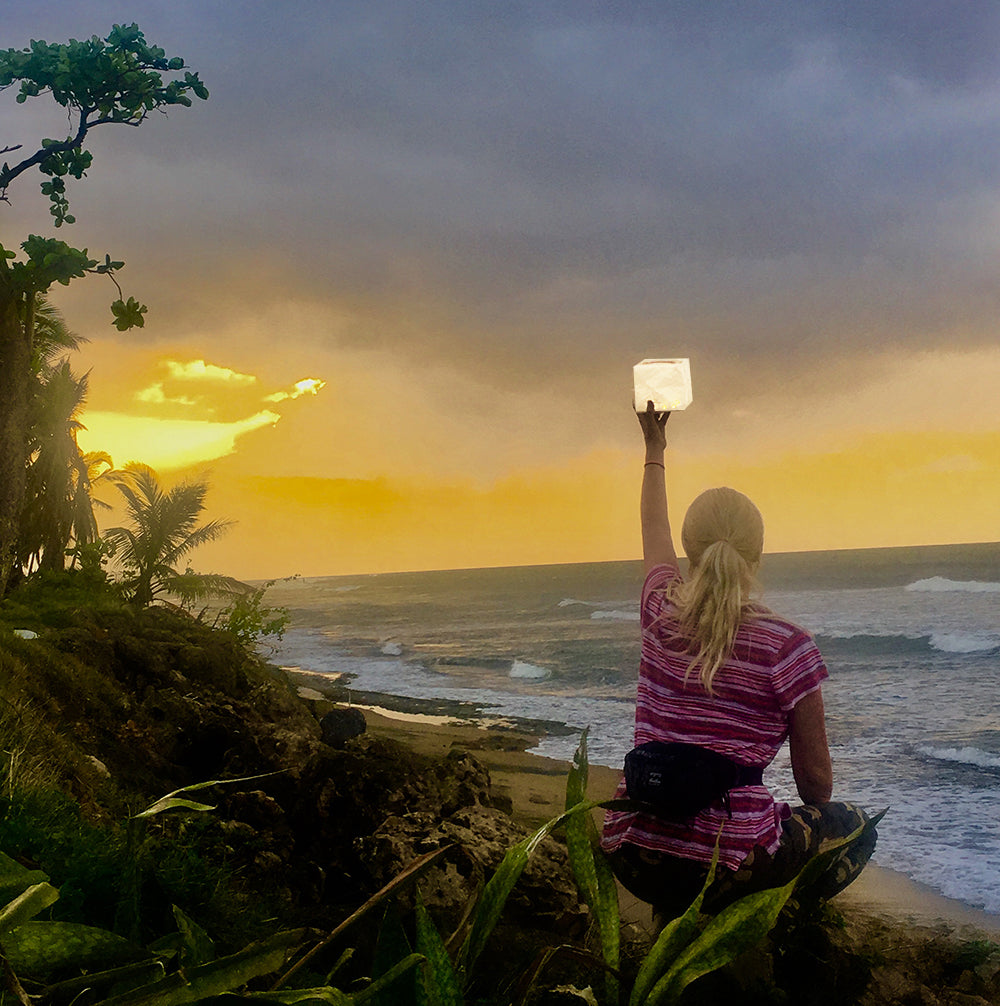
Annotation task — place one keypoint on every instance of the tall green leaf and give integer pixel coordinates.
(607, 911)
(15, 879)
(438, 984)
(593, 875)
(392, 946)
(581, 855)
(196, 946)
(739, 926)
(494, 897)
(40, 948)
(673, 938)
(26, 906)
(216, 978)
(729, 934)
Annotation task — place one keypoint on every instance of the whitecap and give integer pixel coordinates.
(940, 584)
(568, 602)
(965, 642)
(522, 669)
(616, 616)
(963, 755)
(391, 649)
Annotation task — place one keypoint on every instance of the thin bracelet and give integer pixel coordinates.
(660, 463)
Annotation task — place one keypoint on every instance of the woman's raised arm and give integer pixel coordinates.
(657, 543)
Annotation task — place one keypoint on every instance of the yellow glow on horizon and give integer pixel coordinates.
(489, 475)
(166, 444)
(884, 490)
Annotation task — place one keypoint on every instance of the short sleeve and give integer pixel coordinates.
(658, 578)
(798, 671)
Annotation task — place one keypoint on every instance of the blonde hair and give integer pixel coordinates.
(723, 537)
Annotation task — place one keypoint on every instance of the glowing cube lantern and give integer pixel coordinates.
(666, 383)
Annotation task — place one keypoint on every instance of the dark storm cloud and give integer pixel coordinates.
(780, 176)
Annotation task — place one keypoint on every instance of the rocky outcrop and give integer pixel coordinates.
(545, 896)
(155, 701)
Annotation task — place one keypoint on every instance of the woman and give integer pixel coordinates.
(728, 675)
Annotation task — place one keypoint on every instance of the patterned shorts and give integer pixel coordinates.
(670, 884)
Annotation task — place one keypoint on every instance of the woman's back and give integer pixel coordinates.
(774, 664)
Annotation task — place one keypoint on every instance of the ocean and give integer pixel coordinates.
(911, 637)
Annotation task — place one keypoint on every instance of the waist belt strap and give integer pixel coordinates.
(750, 775)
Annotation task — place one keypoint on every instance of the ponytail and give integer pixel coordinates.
(723, 537)
(711, 605)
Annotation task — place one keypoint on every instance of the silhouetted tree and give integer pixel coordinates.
(163, 528)
(99, 82)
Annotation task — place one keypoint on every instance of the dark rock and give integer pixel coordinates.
(544, 897)
(340, 725)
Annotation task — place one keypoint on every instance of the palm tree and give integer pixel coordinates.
(58, 508)
(54, 396)
(51, 336)
(163, 528)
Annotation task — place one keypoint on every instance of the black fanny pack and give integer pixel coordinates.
(681, 779)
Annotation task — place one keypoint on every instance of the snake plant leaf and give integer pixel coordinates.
(218, 977)
(15, 879)
(26, 906)
(673, 938)
(38, 949)
(593, 875)
(438, 984)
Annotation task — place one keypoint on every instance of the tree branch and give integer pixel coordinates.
(70, 143)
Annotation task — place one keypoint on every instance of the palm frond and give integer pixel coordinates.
(162, 528)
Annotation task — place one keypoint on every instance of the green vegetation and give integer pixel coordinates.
(47, 502)
(249, 619)
(117, 80)
(163, 528)
(47, 954)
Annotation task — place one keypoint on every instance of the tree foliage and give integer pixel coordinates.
(98, 81)
(58, 509)
(163, 528)
(118, 80)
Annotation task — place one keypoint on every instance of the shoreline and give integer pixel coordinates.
(536, 786)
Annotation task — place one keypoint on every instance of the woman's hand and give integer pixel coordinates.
(653, 425)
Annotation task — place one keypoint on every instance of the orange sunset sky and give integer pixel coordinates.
(401, 263)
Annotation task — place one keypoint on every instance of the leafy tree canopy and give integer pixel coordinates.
(120, 79)
(99, 81)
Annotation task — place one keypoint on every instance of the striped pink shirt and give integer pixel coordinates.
(774, 664)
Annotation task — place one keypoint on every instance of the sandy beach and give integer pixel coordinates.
(537, 789)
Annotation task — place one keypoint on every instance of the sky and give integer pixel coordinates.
(400, 265)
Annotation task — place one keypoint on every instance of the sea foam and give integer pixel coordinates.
(965, 642)
(522, 669)
(940, 584)
(963, 755)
